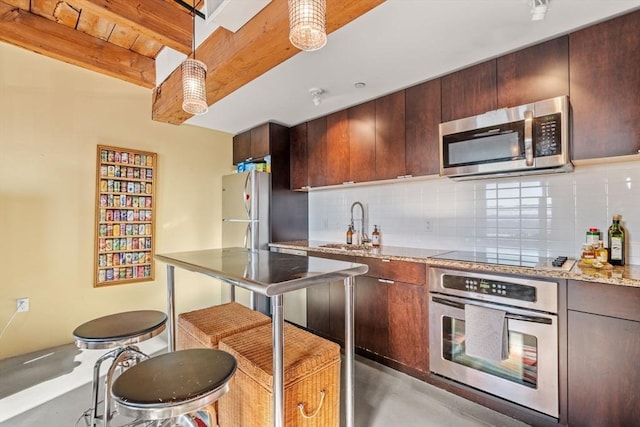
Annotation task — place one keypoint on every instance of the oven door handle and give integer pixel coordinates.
(513, 316)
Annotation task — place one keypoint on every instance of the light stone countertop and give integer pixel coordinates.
(623, 276)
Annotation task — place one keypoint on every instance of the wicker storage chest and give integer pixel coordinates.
(311, 380)
(206, 327)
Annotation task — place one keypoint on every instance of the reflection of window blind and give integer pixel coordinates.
(496, 147)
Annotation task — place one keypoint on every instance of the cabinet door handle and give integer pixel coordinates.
(385, 260)
(388, 282)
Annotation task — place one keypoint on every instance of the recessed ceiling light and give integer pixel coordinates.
(359, 85)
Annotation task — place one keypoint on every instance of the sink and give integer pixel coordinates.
(345, 247)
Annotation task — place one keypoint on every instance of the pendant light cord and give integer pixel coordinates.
(190, 9)
(193, 36)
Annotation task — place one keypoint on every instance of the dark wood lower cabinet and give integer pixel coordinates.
(371, 318)
(390, 315)
(318, 309)
(325, 304)
(604, 371)
(603, 356)
(408, 328)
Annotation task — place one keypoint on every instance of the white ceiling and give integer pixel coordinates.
(396, 45)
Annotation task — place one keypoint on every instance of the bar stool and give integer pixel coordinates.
(168, 386)
(118, 332)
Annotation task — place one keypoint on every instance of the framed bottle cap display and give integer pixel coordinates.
(125, 216)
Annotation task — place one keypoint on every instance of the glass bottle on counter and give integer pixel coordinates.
(616, 242)
(602, 254)
(350, 234)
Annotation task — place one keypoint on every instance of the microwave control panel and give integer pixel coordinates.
(548, 135)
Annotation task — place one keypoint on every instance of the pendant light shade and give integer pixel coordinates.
(194, 75)
(307, 30)
(194, 92)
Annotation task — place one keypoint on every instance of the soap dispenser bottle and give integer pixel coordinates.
(375, 236)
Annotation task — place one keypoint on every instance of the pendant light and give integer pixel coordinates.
(194, 74)
(307, 29)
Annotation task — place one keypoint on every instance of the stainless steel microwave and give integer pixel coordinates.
(531, 138)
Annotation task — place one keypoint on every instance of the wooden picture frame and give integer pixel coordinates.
(125, 216)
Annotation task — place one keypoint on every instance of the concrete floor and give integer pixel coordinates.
(52, 388)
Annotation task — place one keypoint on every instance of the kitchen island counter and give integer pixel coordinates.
(628, 275)
(271, 274)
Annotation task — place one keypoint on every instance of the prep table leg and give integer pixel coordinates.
(278, 360)
(349, 349)
(171, 307)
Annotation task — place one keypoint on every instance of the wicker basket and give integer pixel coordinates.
(311, 380)
(206, 327)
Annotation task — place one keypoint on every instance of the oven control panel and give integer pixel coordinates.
(488, 286)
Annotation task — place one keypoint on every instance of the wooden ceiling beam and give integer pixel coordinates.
(155, 19)
(48, 38)
(235, 59)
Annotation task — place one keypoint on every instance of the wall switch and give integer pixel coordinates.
(22, 305)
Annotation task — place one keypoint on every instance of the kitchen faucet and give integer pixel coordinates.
(363, 222)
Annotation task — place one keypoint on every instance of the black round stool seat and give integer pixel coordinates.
(120, 329)
(174, 384)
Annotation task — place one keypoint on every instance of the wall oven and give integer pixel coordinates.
(531, 138)
(528, 375)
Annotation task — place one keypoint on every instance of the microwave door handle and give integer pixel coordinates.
(528, 137)
(512, 316)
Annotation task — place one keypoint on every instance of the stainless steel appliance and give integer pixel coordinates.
(531, 138)
(245, 224)
(529, 376)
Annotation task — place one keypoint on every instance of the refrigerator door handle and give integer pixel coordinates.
(247, 235)
(246, 195)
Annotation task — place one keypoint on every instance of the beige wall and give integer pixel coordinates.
(52, 117)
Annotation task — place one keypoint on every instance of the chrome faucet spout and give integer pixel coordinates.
(363, 222)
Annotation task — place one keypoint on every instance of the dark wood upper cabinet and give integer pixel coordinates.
(299, 169)
(605, 88)
(255, 143)
(469, 92)
(422, 120)
(260, 138)
(337, 162)
(362, 142)
(241, 147)
(317, 151)
(389, 135)
(533, 74)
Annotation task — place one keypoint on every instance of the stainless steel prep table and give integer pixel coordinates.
(272, 274)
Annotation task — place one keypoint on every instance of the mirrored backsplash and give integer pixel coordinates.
(541, 215)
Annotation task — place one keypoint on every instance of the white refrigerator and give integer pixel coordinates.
(245, 224)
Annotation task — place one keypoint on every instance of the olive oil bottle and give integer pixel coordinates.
(617, 242)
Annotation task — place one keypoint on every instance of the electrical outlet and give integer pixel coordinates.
(427, 225)
(22, 304)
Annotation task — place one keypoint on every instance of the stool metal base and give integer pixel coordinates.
(173, 384)
(118, 332)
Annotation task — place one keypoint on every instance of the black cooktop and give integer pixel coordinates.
(517, 260)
